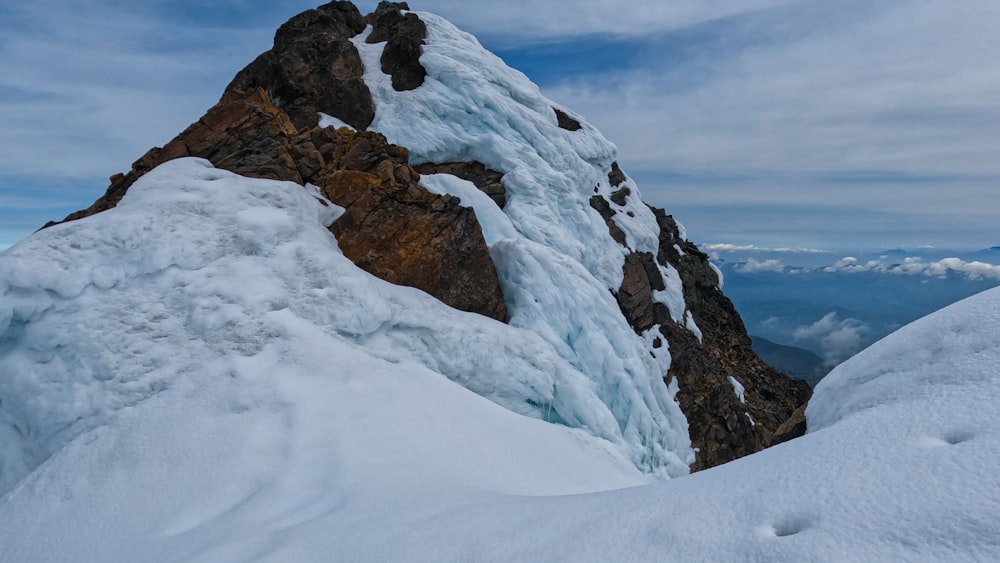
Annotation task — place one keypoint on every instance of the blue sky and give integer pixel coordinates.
(779, 123)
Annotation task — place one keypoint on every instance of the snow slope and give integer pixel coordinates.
(193, 402)
(473, 107)
(203, 261)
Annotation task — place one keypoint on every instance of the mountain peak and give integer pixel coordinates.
(454, 175)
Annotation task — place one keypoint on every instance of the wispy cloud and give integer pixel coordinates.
(529, 20)
(90, 86)
(839, 339)
(726, 247)
(915, 266)
(753, 266)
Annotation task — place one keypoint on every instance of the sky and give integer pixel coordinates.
(821, 124)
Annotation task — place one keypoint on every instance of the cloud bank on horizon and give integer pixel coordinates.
(909, 266)
(785, 123)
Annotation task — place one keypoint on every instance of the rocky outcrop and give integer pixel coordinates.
(635, 296)
(488, 181)
(403, 35)
(402, 233)
(392, 227)
(722, 425)
(616, 177)
(314, 67)
(602, 206)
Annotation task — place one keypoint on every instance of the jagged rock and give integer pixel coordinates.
(399, 231)
(565, 121)
(392, 227)
(403, 34)
(721, 426)
(488, 181)
(717, 420)
(243, 133)
(619, 196)
(313, 67)
(794, 427)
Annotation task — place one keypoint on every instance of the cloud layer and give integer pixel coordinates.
(915, 266)
(839, 339)
(754, 266)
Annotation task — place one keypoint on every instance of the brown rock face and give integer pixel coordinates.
(243, 133)
(402, 233)
(721, 426)
(616, 176)
(717, 420)
(488, 181)
(403, 34)
(408, 236)
(635, 296)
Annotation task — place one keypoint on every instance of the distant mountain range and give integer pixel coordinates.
(793, 361)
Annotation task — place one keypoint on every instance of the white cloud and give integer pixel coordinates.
(726, 247)
(529, 19)
(915, 266)
(839, 339)
(752, 266)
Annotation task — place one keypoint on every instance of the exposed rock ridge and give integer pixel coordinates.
(721, 425)
(392, 227)
(716, 417)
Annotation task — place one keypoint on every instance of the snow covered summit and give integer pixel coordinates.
(457, 177)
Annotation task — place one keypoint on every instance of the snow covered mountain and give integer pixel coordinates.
(452, 174)
(385, 301)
